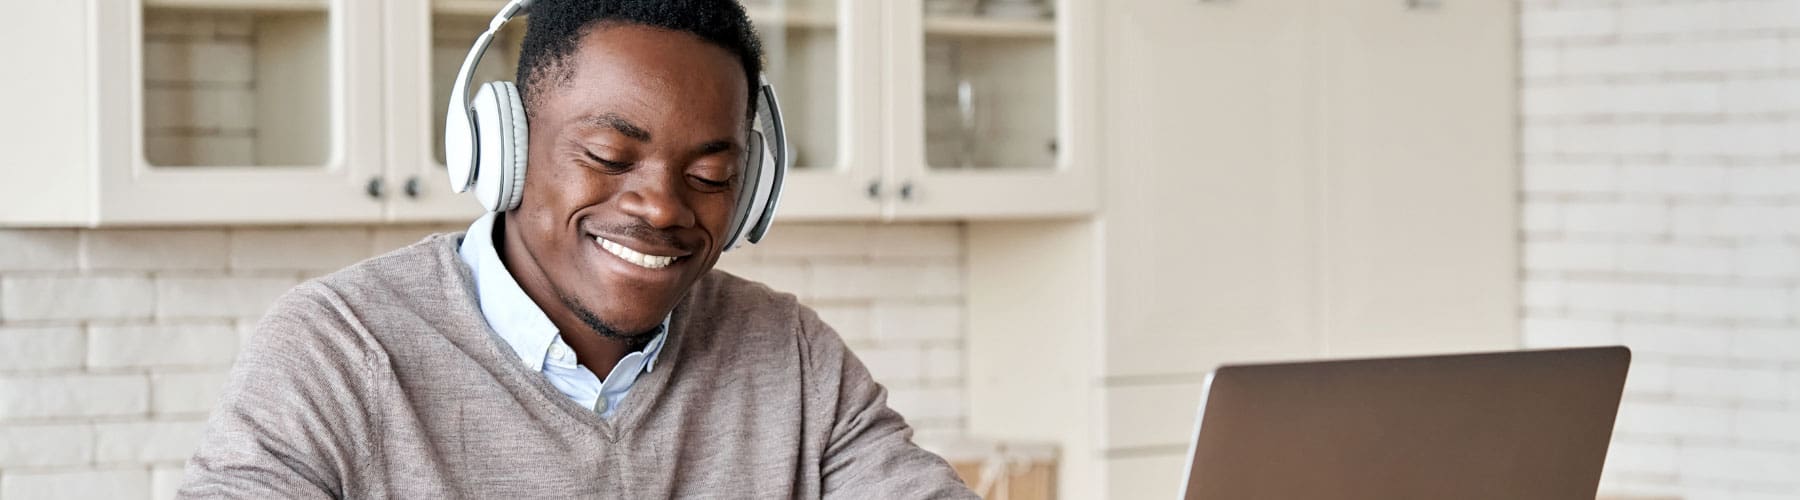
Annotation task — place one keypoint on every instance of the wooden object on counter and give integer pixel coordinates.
(999, 470)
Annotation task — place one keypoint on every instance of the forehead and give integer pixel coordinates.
(618, 67)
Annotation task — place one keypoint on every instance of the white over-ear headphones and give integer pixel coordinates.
(485, 147)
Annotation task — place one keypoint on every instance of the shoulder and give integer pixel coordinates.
(421, 270)
(729, 295)
(338, 316)
(750, 316)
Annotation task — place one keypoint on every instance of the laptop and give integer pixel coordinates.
(1506, 425)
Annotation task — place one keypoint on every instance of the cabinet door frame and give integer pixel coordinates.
(1066, 190)
(850, 189)
(410, 109)
(133, 192)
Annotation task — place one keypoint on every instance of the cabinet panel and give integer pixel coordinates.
(1209, 222)
(239, 111)
(1420, 231)
(48, 166)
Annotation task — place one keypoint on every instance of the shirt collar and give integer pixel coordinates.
(513, 316)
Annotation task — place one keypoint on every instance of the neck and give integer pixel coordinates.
(595, 352)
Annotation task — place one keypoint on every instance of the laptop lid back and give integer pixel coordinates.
(1509, 425)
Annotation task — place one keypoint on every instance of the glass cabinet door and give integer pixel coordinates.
(234, 84)
(990, 83)
(986, 103)
(800, 46)
(816, 55)
(241, 110)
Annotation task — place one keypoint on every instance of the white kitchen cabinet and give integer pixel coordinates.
(193, 111)
(157, 112)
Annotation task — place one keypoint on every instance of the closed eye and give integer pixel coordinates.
(608, 164)
(711, 183)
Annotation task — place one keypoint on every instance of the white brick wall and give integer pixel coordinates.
(114, 343)
(1662, 211)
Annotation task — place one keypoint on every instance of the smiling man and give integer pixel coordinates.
(580, 344)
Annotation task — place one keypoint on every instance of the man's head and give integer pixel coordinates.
(638, 115)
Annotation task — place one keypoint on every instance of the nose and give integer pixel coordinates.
(654, 196)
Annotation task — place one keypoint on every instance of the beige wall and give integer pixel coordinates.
(113, 343)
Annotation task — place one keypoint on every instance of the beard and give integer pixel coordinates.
(605, 330)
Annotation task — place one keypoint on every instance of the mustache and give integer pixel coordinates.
(643, 232)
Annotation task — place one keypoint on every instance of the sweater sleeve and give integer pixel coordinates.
(293, 409)
(870, 453)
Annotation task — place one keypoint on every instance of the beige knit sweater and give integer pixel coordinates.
(383, 381)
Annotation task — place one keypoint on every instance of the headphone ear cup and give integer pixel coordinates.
(501, 129)
(747, 212)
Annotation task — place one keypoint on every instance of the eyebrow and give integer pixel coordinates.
(715, 147)
(620, 124)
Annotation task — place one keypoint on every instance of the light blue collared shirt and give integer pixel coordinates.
(524, 327)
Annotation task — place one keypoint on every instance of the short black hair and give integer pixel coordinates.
(555, 27)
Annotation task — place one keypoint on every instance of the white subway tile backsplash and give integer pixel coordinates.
(38, 297)
(1676, 340)
(916, 240)
(1768, 425)
(165, 481)
(1748, 15)
(816, 241)
(138, 346)
(917, 322)
(46, 445)
(945, 363)
(852, 322)
(1677, 18)
(1769, 344)
(155, 249)
(1664, 418)
(1728, 384)
(927, 403)
(41, 348)
(1546, 24)
(72, 396)
(1617, 218)
(1570, 256)
(790, 277)
(187, 392)
(119, 483)
(37, 249)
(892, 365)
(1735, 463)
(180, 296)
(142, 442)
(1572, 178)
(1675, 180)
(310, 249)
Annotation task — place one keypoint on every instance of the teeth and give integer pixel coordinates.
(633, 256)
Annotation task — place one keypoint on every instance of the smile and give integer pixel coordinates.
(635, 257)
